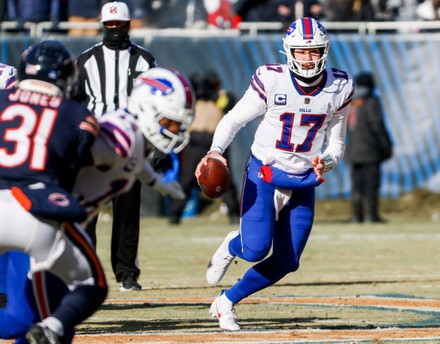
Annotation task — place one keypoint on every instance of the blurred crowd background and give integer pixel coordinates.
(216, 14)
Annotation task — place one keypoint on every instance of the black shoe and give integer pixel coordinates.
(174, 220)
(129, 283)
(40, 334)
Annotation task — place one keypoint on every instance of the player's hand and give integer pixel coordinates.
(318, 167)
(173, 188)
(212, 155)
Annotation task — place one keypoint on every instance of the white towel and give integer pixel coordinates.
(280, 199)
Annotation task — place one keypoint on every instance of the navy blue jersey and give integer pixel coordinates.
(42, 138)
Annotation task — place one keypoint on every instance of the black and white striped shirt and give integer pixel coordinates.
(106, 76)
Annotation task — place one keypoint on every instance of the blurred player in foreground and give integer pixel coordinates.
(303, 107)
(45, 140)
(163, 102)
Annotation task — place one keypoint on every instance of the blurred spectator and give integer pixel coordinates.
(139, 10)
(167, 13)
(220, 14)
(83, 11)
(406, 9)
(265, 10)
(349, 10)
(385, 10)
(3, 10)
(309, 8)
(212, 103)
(36, 11)
(428, 10)
(369, 144)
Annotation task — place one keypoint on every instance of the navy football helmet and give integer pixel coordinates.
(47, 61)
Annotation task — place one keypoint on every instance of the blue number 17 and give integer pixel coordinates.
(315, 122)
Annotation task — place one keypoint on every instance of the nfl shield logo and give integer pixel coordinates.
(307, 101)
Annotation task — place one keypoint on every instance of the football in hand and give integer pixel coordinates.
(214, 178)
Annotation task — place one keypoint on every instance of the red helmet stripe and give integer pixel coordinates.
(307, 26)
(187, 87)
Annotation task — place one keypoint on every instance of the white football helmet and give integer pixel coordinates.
(163, 93)
(306, 33)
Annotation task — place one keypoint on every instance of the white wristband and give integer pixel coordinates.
(329, 163)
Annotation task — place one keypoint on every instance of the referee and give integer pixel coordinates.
(106, 75)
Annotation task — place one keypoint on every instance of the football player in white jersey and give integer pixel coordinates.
(7, 76)
(159, 112)
(303, 107)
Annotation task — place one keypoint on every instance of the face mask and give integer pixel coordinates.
(116, 38)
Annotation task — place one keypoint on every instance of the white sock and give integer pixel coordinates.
(54, 325)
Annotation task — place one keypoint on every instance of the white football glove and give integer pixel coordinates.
(173, 188)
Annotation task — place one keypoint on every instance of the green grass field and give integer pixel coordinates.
(367, 283)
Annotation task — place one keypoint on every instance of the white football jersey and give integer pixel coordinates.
(119, 156)
(297, 122)
(7, 76)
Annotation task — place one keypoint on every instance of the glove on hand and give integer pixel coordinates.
(171, 188)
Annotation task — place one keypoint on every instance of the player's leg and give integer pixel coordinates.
(73, 259)
(257, 222)
(69, 254)
(29, 300)
(253, 243)
(291, 233)
(125, 238)
(357, 189)
(19, 312)
(372, 186)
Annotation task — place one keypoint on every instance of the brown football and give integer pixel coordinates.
(214, 179)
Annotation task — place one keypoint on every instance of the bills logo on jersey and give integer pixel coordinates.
(280, 99)
(159, 86)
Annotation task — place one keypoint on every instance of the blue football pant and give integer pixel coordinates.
(28, 301)
(259, 232)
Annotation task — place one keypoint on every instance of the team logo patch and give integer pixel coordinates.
(59, 199)
(280, 99)
(159, 86)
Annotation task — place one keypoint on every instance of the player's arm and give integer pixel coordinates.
(87, 134)
(335, 139)
(250, 106)
(156, 181)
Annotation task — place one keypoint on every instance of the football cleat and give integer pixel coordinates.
(220, 261)
(224, 310)
(41, 334)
